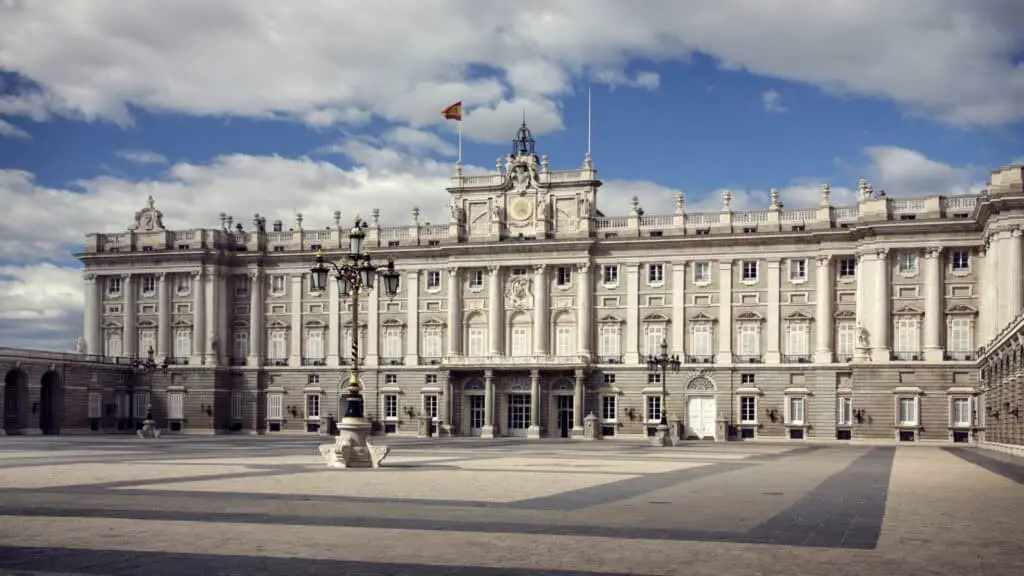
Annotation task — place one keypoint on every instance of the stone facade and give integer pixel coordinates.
(529, 309)
(1002, 390)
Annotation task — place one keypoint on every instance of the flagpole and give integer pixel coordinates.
(460, 140)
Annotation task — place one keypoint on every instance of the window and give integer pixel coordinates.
(847, 267)
(95, 405)
(563, 276)
(315, 343)
(749, 340)
(241, 286)
(430, 406)
(148, 286)
(182, 284)
(655, 274)
(844, 411)
(748, 410)
(846, 341)
(908, 334)
(795, 406)
(654, 378)
(960, 334)
(391, 379)
(113, 345)
(275, 408)
(476, 279)
(747, 379)
(564, 341)
(610, 274)
(392, 342)
(654, 334)
(477, 341)
(798, 270)
(609, 412)
(147, 341)
(520, 341)
(141, 404)
(908, 263)
(701, 272)
(113, 285)
(277, 284)
(960, 413)
(278, 345)
(432, 337)
(239, 344)
(312, 406)
(391, 407)
(608, 344)
(961, 260)
(654, 408)
(176, 405)
(749, 271)
(518, 272)
(182, 342)
(797, 338)
(430, 379)
(608, 379)
(907, 415)
(433, 280)
(236, 406)
(700, 339)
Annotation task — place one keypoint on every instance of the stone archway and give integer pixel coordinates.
(51, 395)
(15, 401)
(701, 408)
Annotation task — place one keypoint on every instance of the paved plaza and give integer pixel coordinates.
(180, 506)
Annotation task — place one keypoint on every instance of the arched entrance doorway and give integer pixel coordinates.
(15, 401)
(701, 409)
(50, 395)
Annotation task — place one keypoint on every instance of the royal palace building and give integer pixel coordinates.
(529, 310)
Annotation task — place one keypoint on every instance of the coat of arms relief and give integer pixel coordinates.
(518, 293)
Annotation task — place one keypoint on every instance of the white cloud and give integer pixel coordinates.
(323, 61)
(40, 306)
(141, 156)
(772, 101)
(11, 131)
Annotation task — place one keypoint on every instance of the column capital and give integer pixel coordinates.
(453, 271)
(89, 277)
(823, 260)
(534, 374)
(1016, 232)
(488, 376)
(881, 253)
(197, 272)
(725, 264)
(255, 273)
(932, 252)
(493, 268)
(126, 276)
(539, 268)
(583, 267)
(161, 276)
(774, 263)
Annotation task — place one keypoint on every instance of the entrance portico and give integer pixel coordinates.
(520, 403)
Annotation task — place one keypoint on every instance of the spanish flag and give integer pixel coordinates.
(453, 112)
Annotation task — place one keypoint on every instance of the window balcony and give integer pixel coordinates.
(961, 356)
(748, 359)
(609, 359)
(700, 359)
(392, 361)
(275, 362)
(178, 360)
(796, 358)
(907, 356)
(844, 358)
(237, 361)
(314, 362)
(430, 360)
(516, 361)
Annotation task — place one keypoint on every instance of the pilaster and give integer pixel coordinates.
(584, 309)
(296, 331)
(210, 314)
(678, 340)
(541, 309)
(454, 312)
(130, 346)
(985, 260)
(725, 324)
(864, 321)
(488, 429)
(164, 346)
(92, 330)
(412, 318)
(372, 356)
(1015, 286)
(632, 355)
(534, 430)
(494, 311)
(933, 312)
(881, 300)
(198, 317)
(225, 301)
(823, 322)
(773, 354)
(257, 281)
(579, 395)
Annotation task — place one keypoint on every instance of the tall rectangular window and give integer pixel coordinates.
(960, 416)
(432, 337)
(608, 345)
(392, 342)
(520, 341)
(477, 342)
(113, 345)
(844, 411)
(564, 341)
(236, 406)
(907, 411)
(846, 341)
(796, 410)
(908, 334)
(961, 330)
(275, 408)
(182, 342)
(239, 344)
(312, 406)
(391, 406)
(315, 344)
(95, 405)
(430, 406)
(653, 336)
(700, 339)
(147, 341)
(609, 408)
(278, 345)
(748, 410)
(749, 340)
(654, 408)
(176, 405)
(797, 338)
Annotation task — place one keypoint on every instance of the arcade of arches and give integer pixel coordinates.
(24, 415)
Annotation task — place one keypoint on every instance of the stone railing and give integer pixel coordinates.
(29, 355)
(506, 361)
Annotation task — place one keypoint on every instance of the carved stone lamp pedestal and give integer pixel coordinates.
(351, 450)
(149, 431)
(661, 436)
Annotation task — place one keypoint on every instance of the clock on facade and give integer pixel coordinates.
(521, 209)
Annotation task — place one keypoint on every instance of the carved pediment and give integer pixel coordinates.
(907, 311)
(393, 323)
(962, 309)
(703, 317)
(147, 324)
(799, 316)
(278, 325)
(609, 319)
(111, 325)
(314, 323)
(845, 315)
(433, 322)
(240, 324)
(656, 317)
(182, 323)
(749, 316)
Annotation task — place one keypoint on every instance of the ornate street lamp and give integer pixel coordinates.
(146, 367)
(354, 273)
(660, 364)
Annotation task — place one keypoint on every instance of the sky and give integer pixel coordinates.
(279, 108)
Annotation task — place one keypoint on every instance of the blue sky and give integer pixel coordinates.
(256, 106)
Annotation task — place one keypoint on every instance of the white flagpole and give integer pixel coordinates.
(588, 121)
(460, 139)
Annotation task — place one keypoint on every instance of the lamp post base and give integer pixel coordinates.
(351, 450)
(149, 431)
(661, 436)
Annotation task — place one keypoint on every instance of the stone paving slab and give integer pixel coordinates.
(77, 474)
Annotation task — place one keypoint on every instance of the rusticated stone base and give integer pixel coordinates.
(351, 450)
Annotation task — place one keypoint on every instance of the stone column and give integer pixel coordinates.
(488, 430)
(412, 318)
(933, 312)
(773, 354)
(823, 321)
(296, 331)
(212, 307)
(541, 309)
(1015, 284)
(198, 317)
(454, 313)
(864, 285)
(92, 330)
(677, 343)
(494, 311)
(725, 327)
(584, 309)
(225, 302)
(447, 417)
(986, 299)
(164, 345)
(577, 403)
(880, 303)
(130, 346)
(372, 341)
(256, 315)
(534, 430)
(632, 314)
